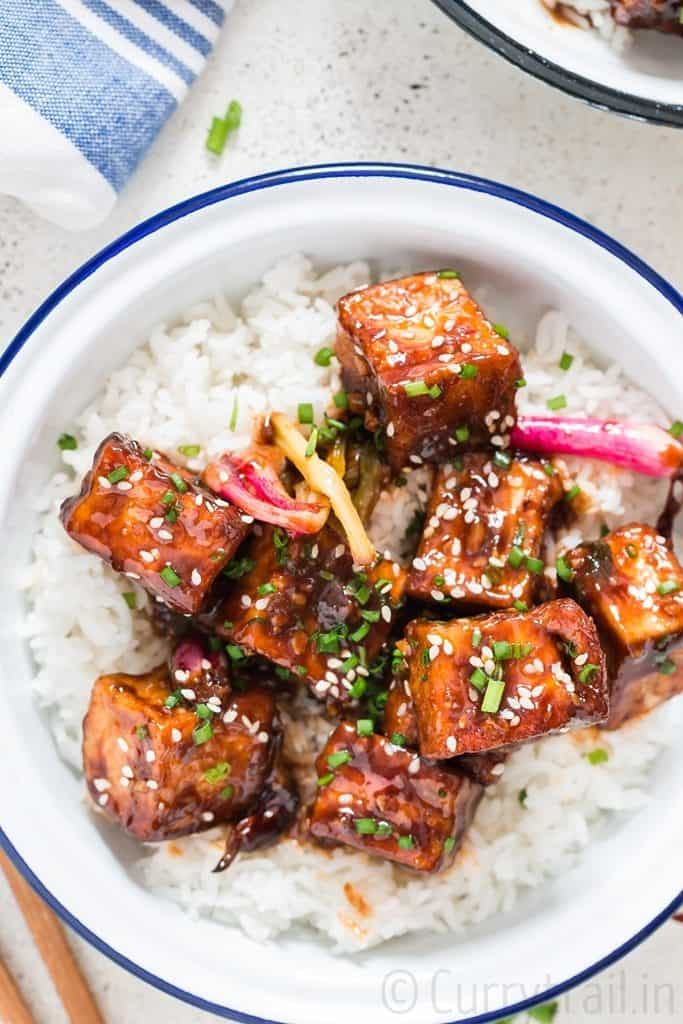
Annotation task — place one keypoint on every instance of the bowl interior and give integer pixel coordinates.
(651, 68)
(528, 261)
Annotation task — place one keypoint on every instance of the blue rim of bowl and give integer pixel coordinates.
(597, 95)
(414, 172)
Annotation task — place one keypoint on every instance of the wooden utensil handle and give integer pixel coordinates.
(73, 990)
(13, 1009)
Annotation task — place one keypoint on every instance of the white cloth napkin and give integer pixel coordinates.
(85, 86)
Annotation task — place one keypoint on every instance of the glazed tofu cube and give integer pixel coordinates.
(152, 521)
(389, 802)
(632, 584)
(300, 604)
(499, 680)
(426, 363)
(484, 530)
(163, 765)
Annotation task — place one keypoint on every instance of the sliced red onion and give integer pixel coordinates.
(252, 485)
(641, 447)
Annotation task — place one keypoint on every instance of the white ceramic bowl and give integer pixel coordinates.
(645, 81)
(532, 255)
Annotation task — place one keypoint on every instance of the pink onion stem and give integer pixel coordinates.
(641, 447)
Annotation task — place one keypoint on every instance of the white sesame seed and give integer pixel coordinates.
(385, 612)
(122, 744)
(486, 652)
(103, 482)
(101, 785)
(195, 578)
(476, 662)
(581, 659)
(181, 675)
(433, 652)
(419, 564)
(345, 798)
(123, 781)
(146, 556)
(229, 716)
(245, 601)
(498, 769)
(437, 595)
(315, 551)
(103, 800)
(176, 735)
(416, 460)
(189, 694)
(391, 430)
(262, 737)
(208, 816)
(339, 550)
(414, 766)
(447, 647)
(452, 744)
(165, 535)
(262, 604)
(127, 771)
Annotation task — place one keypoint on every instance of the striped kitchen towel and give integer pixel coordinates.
(85, 86)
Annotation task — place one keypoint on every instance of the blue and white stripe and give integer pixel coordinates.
(105, 74)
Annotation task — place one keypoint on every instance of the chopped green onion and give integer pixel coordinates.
(398, 739)
(520, 383)
(170, 576)
(479, 679)
(341, 400)
(339, 758)
(405, 842)
(323, 356)
(631, 551)
(67, 442)
(435, 391)
(235, 653)
(168, 498)
(227, 792)
(448, 275)
(266, 588)
(439, 580)
(173, 699)
(566, 360)
(171, 516)
(233, 415)
(587, 672)
(668, 587)
(218, 135)
(449, 843)
(676, 429)
(666, 667)
(563, 569)
(233, 115)
(190, 450)
(130, 598)
(305, 412)
(534, 565)
(365, 727)
(468, 371)
(516, 557)
(476, 637)
(502, 459)
(414, 388)
(370, 615)
(365, 826)
(358, 688)
(202, 733)
(203, 711)
(546, 1013)
(597, 756)
(217, 773)
(462, 433)
(572, 493)
(361, 632)
(178, 483)
(502, 650)
(312, 443)
(142, 732)
(502, 330)
(520, 606)
(324, 780)
(148, 453)
(238, 567)
(118, 473)
(549, 469)
(556, 403)
(522, 797)
(493, 696)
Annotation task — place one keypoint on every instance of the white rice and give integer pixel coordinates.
(180, 388)
(594, 14)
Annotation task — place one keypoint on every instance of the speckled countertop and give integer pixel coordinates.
(325, 80)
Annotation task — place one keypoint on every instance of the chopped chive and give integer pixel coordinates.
(516, 557)
(324, 780)
(383, 829)
(202, 733)
(405, 842)
(449, 843)
(312, 443)
(67, 442)
(502, 330)
(232, 424)
(358, 689)
(203, 711)
(502, 459)
(370, 615)
(173, 699)
(435, 391)
(227, 792)
(398, 739)
(597, 756)
(235, 653)
(233, 115)
(131, 600)
(676, 428)
(493, 696)
(365, 826)
(172, 515)
(365, 727)
(522, 797)
(170, 576)
(534, 565)
(448, 275)
(520, 383)
(414, 388)
(300, 670)
(468, 371)
(479, 679)
(631, 551)
(556, 403)
(476, 637)
(148, 453)
(563, 569)
(118, 473)
(520, 606)
(266, 588)
(341, 400)
(502, 650)
(218, 135)
(168, 498)
(142, 732)
(546, 1013)
(190, 450)
(572, 493)
(587, 672)
(361, 632)
(323, 356)
(666, 667)
(217, 773)
(566, 360)
(462, 433)
(549, 469)
(339, 758)
(178, 483)
(305, 412)
(439, 580)
(668, 587)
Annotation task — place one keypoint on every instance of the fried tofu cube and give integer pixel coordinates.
(426, 362)
(484, 530)
(389, 802)
(164, 766)
(499, 680)
(154, 522)
(631, 583)
(299, 603)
